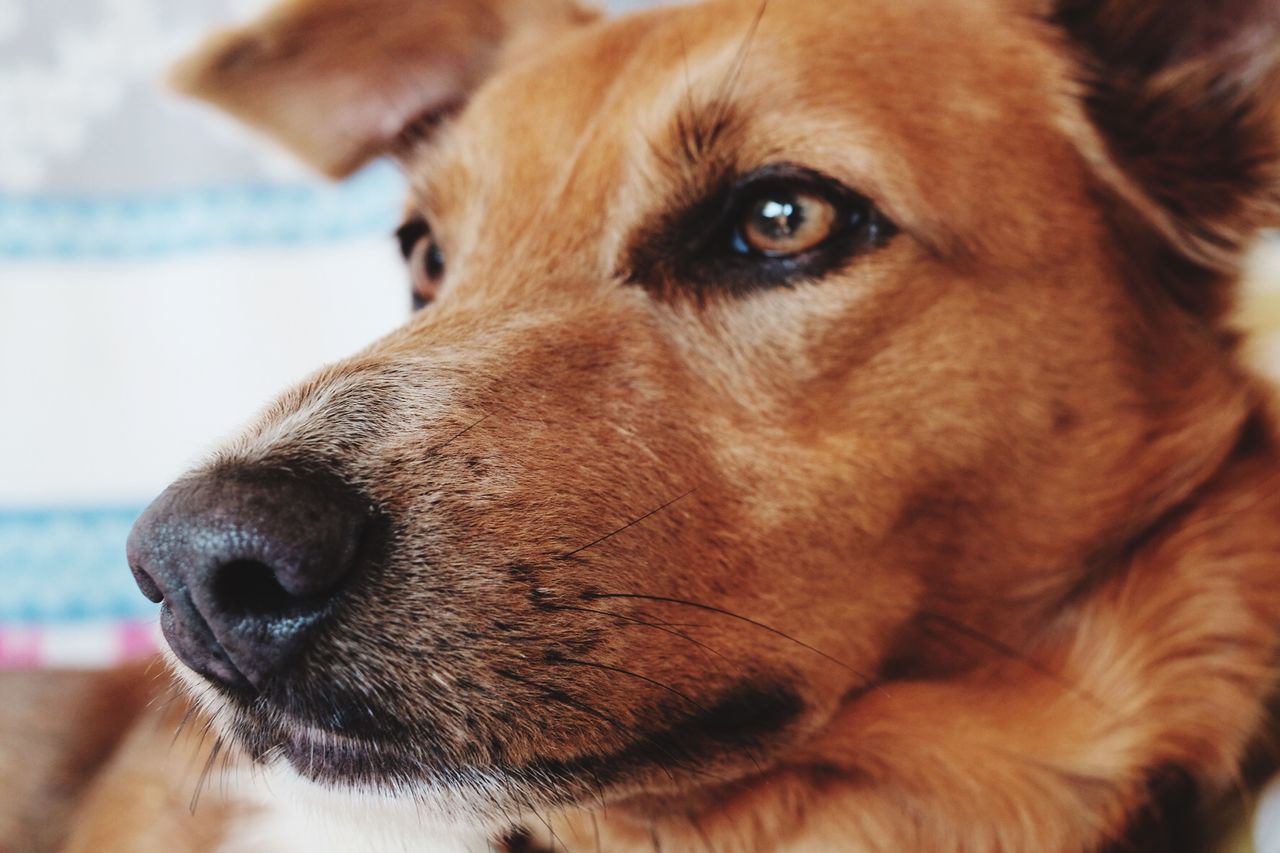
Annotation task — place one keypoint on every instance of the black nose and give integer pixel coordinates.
(247, 564)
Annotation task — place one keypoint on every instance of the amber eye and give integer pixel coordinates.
(426, 265)
(425, 259)
(782, 223)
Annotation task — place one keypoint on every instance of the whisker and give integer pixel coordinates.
(162, 704)
(739, 63)
(686, 120)
(204, 774)
(557, 695)
(598, 791)
(554, 838)
(627, 526)
(462, 433)
(747, 619)
(223, 770)
(1011, 653)
(163, 699)
(607, 668)
(755, 759)
(191, 711)
(204, 732)
(664, 627)
(151, 672)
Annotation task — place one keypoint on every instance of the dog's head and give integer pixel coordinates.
(751, 335)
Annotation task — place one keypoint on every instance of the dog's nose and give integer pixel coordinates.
(247, 565)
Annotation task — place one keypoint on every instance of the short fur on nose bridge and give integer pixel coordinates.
(247, 564)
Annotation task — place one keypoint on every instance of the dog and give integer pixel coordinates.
(822, 429)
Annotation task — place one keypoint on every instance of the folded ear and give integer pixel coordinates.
(339, 81)
(1186, 95)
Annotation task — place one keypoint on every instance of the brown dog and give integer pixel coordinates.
(822, 433)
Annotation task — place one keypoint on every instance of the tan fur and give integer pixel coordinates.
(91, 762)
(987, 518)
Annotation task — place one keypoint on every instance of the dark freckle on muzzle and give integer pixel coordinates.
(249, 564)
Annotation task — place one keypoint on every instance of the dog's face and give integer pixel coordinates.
(758, 343)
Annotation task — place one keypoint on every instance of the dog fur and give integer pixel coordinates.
(966, 543)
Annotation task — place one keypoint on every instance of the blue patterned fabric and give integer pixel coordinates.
(62, 226)
(67, 565)
(119, 204)
(163, 271)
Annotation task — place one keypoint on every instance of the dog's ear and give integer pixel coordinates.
(1186, 96)
(340, 81)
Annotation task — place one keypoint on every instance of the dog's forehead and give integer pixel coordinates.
(923, 106)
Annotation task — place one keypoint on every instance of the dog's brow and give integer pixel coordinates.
(702, 125)
(437, 174)
(702, 133)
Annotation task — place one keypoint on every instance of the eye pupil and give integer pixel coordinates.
(434, 263)
(782, 224)
(779, 219)
(425, 259)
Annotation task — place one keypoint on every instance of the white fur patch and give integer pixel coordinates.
(291, 813)
(296, 815)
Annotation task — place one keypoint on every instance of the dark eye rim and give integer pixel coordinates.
(412, 232)
(698, 248)
(854, 212)
(410, 236)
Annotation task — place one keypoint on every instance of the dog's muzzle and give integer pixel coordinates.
(248, 565)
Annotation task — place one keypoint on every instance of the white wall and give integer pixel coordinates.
(115, 377)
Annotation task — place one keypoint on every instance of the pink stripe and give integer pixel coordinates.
(137, 640)
(20, 648)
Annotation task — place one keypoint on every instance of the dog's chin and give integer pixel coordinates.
(274, 737)
(371, 755)
(401, 819)
(335, 760)
(330, 771)
(326, 766)
(368, 761)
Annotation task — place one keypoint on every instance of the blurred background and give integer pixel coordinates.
(163, 274)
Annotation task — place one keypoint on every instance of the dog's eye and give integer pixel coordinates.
(425, 259)
(782, 222)
(775, 227)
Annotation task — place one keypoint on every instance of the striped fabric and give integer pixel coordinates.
(163, 273)
(78, 644)
(79, 227)
(67, 597)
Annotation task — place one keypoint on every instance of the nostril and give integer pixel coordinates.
(250, 563)
(250, 588)
(146, 584)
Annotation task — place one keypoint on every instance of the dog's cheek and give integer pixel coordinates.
(578, 550)
(494, 621)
